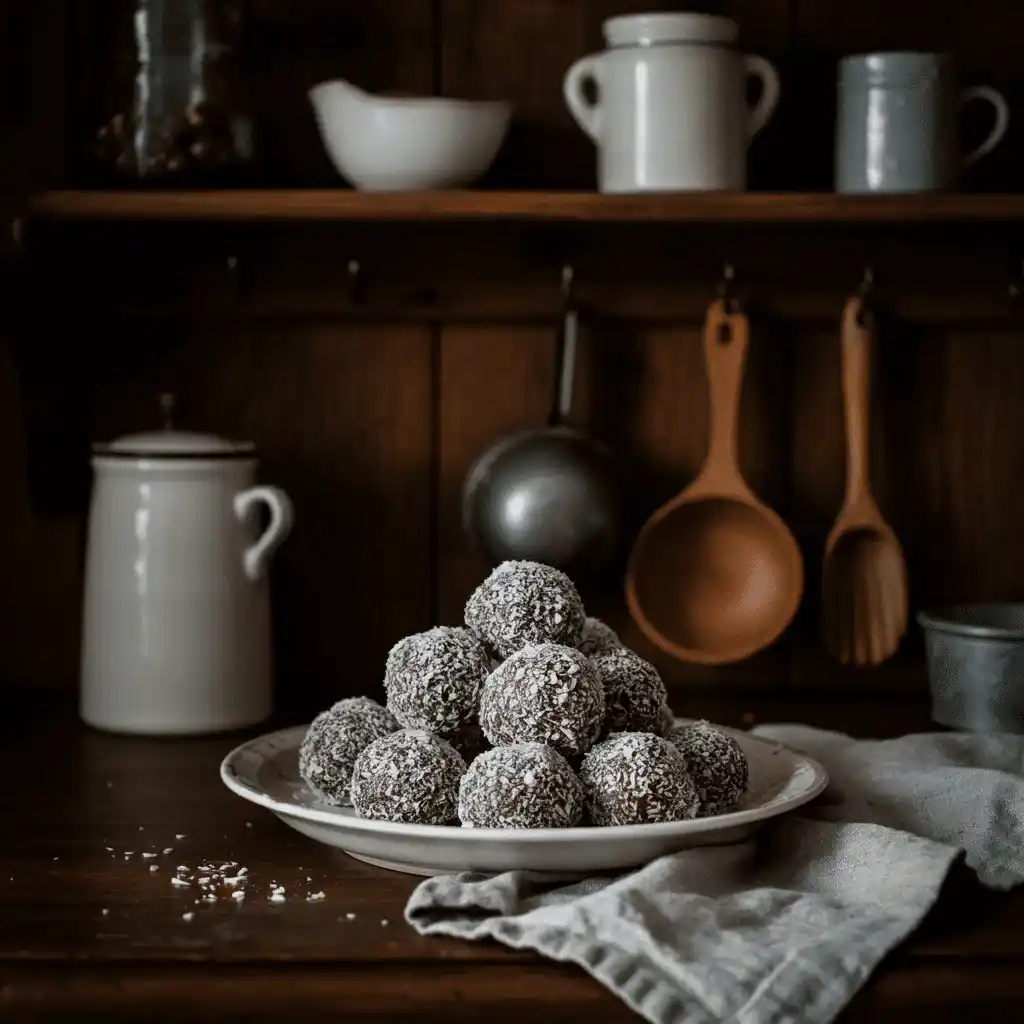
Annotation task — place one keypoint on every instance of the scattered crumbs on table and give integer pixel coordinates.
(187, 916)
(277, 890)
(104, 911)
(209, 897)
(168, 849)
(182, 867)
(238, 894)
(180, 882)
(384, 922)
(109, 849)
(109, 784)
(154, 867)
(149, 856)
(248, 824)
(204, 879)
(350, 916)
(128, 853)
(308, 878)
(179, 835)
(276, 897)
(314, 897)
(142, 828)
(56, 858)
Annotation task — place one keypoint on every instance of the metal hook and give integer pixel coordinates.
(1016, 288)
(727, 288)
(864, 292)
(356, 283)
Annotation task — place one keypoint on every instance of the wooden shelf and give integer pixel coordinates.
(587, 207)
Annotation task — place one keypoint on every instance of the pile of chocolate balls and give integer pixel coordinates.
(531, 715)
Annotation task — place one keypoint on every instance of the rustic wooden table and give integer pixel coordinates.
(91, 925)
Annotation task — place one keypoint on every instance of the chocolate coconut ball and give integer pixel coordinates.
(633, 692)
(544, 694)
(523, 603)
(637, 778)
(598, 638)
(433, 679)
(410, 776)
(335, 739)
(716, 764)
(528, 785)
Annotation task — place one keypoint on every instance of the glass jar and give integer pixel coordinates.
(175, 111)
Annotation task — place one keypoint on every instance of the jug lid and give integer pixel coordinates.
(653, 29)
(171, 443)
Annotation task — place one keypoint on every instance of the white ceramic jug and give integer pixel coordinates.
(671, 111)
(176, 621)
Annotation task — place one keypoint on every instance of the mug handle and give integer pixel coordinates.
(1002, 109)
(282, 516)
(771, 90)
(587, 115)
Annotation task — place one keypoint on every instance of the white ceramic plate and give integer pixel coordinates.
(265, 772)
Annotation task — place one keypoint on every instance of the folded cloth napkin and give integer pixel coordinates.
(789, 925)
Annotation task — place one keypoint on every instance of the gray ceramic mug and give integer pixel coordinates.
(897, 123)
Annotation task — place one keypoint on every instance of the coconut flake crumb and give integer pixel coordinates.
(168, 849)
(154, 867)
(179, 835)
(238, 894)
(149, 856)
(350, 917)
(187, 916)
(383, 922)
(180, 883)
(104, 911)
(276, 897)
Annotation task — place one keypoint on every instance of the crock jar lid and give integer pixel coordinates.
(652, 29)
(171, 443)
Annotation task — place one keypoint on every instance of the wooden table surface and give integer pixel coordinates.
(90, 925)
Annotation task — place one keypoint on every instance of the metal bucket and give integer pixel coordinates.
(975, 658)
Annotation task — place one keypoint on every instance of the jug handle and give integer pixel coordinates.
(282, 515)
(587, 115)
(771, 90)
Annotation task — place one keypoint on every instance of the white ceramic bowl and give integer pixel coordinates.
(386, 144)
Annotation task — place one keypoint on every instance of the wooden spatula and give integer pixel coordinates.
(865, 575)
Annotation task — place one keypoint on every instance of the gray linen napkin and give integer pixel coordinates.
(784, 928)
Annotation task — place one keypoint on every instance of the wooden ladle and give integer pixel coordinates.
(715, 575)
(865, 575)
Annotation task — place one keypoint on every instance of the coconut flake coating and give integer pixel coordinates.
(410, 776)
(633, 692)
(637, 778)
(598, 638)
(544, 694)
(433, 679)
(333, 741)
(523, 603)
(716, 764)
(528, 785)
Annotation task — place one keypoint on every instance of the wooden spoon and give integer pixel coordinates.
(865, 575)
(715, 575)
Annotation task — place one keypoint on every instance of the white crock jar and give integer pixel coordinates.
(671, 112)
(176, 620)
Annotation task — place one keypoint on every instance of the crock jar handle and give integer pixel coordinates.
(586, 114)
(771, 89)
(282, 515)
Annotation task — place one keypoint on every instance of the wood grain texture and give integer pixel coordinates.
(86, 928)
(254, 205)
